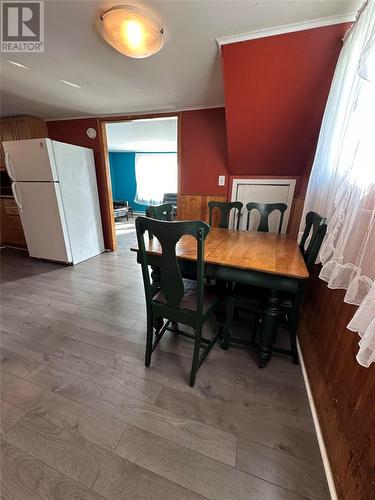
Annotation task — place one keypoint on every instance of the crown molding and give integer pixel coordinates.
(287, 28)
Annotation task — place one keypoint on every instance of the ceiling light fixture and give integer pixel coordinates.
(19, 65)
(71, 84)
(131, 31)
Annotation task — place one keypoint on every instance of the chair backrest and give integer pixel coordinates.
(318, 231)
(265, 209)
(169, 233)
(160, 212)
(225, 209)
(170, 198)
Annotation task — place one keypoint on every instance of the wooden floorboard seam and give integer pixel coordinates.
(78, 366)
(243, 471)
(197, 452)
(98, 410)
(48, 465)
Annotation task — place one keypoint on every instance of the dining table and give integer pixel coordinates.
(272, 261)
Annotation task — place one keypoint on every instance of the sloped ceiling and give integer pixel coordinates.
(186, 73)
(276, 89)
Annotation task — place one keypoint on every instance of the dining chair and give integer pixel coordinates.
(252, 298)
(160, 212)
(225, 209)
(172, 199)
(265, 209)
(311, 241)
(176, 300)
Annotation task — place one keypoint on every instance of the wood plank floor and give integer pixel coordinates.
(81, 417)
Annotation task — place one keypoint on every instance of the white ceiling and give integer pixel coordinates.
(157, 135)
(185, 74)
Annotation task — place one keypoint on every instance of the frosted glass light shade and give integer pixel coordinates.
(132, 32)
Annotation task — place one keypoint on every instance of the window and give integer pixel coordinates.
(156, 174)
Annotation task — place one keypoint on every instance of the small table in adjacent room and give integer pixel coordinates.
(269, 260)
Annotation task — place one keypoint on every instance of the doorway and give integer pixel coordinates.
(142, 160)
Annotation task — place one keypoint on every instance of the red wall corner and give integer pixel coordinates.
(203, 152)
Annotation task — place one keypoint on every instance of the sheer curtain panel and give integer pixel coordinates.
(342, 181)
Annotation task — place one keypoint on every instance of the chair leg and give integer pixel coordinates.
(149, 338)
(195, 362)
(228, 323)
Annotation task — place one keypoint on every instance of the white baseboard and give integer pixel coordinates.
(322, 447)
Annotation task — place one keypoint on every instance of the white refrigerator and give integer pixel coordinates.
(54, 187)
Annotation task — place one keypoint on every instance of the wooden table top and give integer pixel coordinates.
(266, 252)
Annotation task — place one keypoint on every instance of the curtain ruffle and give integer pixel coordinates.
(363, 322)
(347, 276)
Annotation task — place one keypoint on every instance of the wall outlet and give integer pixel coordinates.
(221, 180)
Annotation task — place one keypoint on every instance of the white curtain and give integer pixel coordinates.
(156, 174)
(342, 181)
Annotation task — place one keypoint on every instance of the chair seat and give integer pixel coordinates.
(189, 300)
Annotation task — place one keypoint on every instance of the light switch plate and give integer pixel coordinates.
(221, 180)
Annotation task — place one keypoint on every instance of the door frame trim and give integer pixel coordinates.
(105, 159)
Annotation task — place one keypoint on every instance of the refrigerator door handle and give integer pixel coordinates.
(9, 166)
(14, 191)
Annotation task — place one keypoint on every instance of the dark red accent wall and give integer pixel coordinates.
(203, 152)
(203, 146)
(74, 132)
(275, 90)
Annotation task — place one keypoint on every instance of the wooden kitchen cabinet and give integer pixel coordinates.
(11, 231)
(29, 127)
(13, 129)
(20, 127)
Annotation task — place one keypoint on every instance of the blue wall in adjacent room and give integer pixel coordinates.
(122, 167)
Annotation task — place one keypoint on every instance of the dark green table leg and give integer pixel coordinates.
(269, 328)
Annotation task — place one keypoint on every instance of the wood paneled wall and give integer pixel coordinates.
(343, 391)
(195, 206)
(295, 215)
